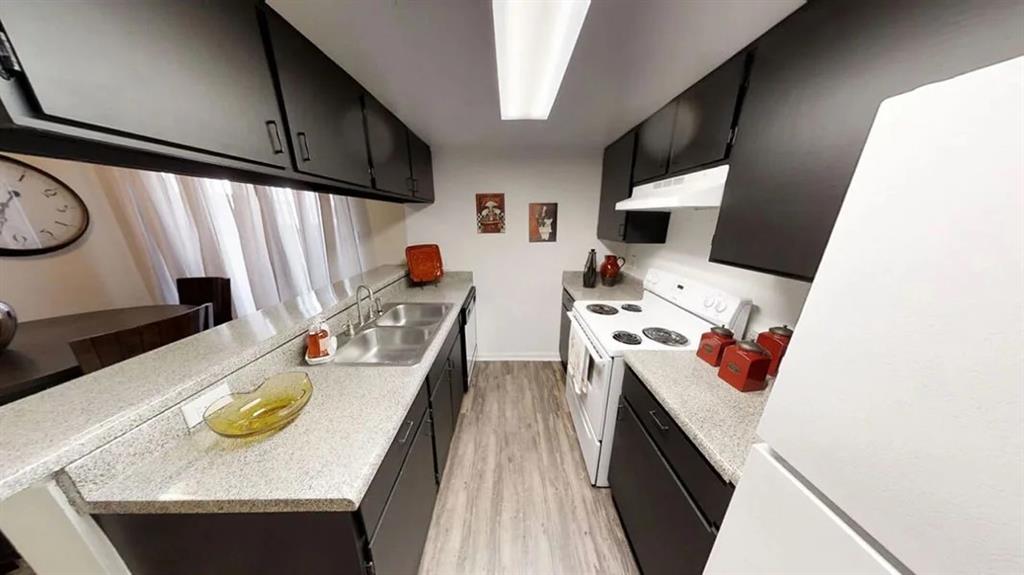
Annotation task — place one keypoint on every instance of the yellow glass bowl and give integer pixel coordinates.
(271, 406)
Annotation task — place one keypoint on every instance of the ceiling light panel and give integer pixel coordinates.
(533, 41)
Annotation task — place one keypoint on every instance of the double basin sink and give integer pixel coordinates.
(400, 335)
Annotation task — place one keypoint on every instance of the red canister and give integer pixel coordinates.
(775, 341)
(713, 344)
(745, 366)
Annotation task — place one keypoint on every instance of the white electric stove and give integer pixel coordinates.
(671, 316)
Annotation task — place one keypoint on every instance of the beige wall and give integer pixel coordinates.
(97, 272)
(387, 233)
(518, 283)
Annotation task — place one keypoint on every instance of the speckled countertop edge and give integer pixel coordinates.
(628, 288)
(720, 420)
(324, 461)
(44, 432)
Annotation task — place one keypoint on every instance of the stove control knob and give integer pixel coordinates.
(708, 302)
(720, 306)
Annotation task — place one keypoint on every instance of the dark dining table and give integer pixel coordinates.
(39, 355)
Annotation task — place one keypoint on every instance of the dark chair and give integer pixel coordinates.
(98, 351)
(200, 290)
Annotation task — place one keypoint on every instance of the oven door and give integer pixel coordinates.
(590, 390)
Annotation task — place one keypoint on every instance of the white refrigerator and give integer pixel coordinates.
(893, 440)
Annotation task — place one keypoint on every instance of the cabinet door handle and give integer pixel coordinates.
(622, 231)
(303, 147)
(410, 184)
(408, 430)
(661, 426)
(275, 137)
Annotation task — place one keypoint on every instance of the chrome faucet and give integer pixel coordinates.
(359, 307)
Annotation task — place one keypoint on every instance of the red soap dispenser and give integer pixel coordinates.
(713, 344)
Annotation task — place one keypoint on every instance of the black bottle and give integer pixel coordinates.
(590, 270)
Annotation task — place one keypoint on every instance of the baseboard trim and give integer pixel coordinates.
(519, 357)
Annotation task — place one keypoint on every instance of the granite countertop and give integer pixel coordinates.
(43, 433)
(721, 421)
(324, 461)
(628, 288)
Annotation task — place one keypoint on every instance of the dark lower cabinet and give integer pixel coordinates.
(816, 83)
(664, 527)
(397, 545)
(447, 387)
(219, 543)
(191, 74)
(323, 105)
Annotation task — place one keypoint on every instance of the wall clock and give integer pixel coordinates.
(38, 212)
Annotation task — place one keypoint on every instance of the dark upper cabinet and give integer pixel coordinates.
(389, 149)
(617, 185)
(654, 144)
(191, 74)
(817, 82)
(422, 168)
(705, 115)
(323, 106)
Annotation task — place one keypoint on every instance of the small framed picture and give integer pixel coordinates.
(490, 213)
(543, 222)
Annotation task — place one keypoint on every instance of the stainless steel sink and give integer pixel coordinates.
(414, 314)
(386, 346)
(400, 336)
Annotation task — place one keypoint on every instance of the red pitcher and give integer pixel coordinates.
(610, 268)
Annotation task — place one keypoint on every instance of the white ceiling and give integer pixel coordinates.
(432, 63)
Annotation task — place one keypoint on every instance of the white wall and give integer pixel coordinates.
(97, 272)
(518, 283)
(685, 252)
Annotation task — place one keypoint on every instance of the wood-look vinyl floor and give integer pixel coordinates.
(515, 498)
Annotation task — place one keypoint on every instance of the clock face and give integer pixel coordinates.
(38, 212)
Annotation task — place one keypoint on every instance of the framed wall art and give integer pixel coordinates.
(490, 213)
(543, 222)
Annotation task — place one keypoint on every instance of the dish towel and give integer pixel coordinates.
(577, 361)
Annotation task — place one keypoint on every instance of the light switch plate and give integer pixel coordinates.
(193, 410)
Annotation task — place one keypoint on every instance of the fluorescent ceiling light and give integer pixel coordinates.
(533, 41)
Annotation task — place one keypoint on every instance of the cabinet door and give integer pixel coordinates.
(398, 544)
(389, 149)
(616, 185)
(422, 168)
(654, 144)
(818, 80)
(704, 117)
(457, 378)
(662, 524)
(323, 105)
(192, 74)
(443, 419)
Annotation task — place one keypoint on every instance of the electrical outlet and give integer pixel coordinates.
(193, 410)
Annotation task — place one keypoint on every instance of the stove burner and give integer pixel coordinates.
(666, 336)
(631, 307)
(626, 337)
(602, 309)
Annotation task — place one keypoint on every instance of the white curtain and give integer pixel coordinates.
(274, 243)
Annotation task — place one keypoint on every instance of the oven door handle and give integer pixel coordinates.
(586, 339)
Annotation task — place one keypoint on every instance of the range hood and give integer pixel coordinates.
(697, 190)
